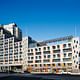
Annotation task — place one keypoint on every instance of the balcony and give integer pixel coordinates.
(56, 60)
(29, 61)
(37, 61)
(46, 60)
(30, 54)
(38, 53)
(46, 52)
(56, 51)
(67, 50)
(6, 46)
(67, 59)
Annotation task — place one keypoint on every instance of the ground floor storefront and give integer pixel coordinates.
(11, 68)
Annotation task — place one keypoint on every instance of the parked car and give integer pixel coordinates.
(26, 71)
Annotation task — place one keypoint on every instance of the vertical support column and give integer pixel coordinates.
(10, 68)
(0, 68)
(61, 48)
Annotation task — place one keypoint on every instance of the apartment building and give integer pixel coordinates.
(14, 30)
(79, 58)
(51, 56)
(26, 42)
(10, 51)
(61, 56)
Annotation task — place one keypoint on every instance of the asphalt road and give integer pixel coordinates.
(4, 76)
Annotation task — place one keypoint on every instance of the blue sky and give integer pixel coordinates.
(42, 19)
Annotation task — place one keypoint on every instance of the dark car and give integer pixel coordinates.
(26, 71)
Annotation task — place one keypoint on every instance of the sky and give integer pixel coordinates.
(42, 19)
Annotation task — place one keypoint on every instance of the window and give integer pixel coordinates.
(56, 51)
(79, 54)
(36, 57)
(70, 54)
(77, 42)
(66, 59)
(69, 45)
(28, 50)
(74, 51)
(39, 57)
(56, 60)
(69, 64)
(64, 45)
(48, 56)
(38, 53)
(59, 64)
(74, 41)
(44, 56)
(48, 65)
(53, 64)
(58, 55)
(44, 64)
(32, 57)
(54, 47)
(76, 56)
(64, 64)
(44, 48)
(30, 54)
(20, 52)
(16, 59)
(30, 61)
(31, 50)
(76, 46)
(35, 65)
(40, 65)
(15, 53)
(76, 66)
(46, 52)
(38, 61)
(73, 47)
(35, 49)
(47, 60)
(54, 56)
(76, 62)
(64, 54)
(6, 54)
(10, 54)
(39, 49)
(48, 48)
(73, 57)
(58, 46)
(67, 50)
(28, 57)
